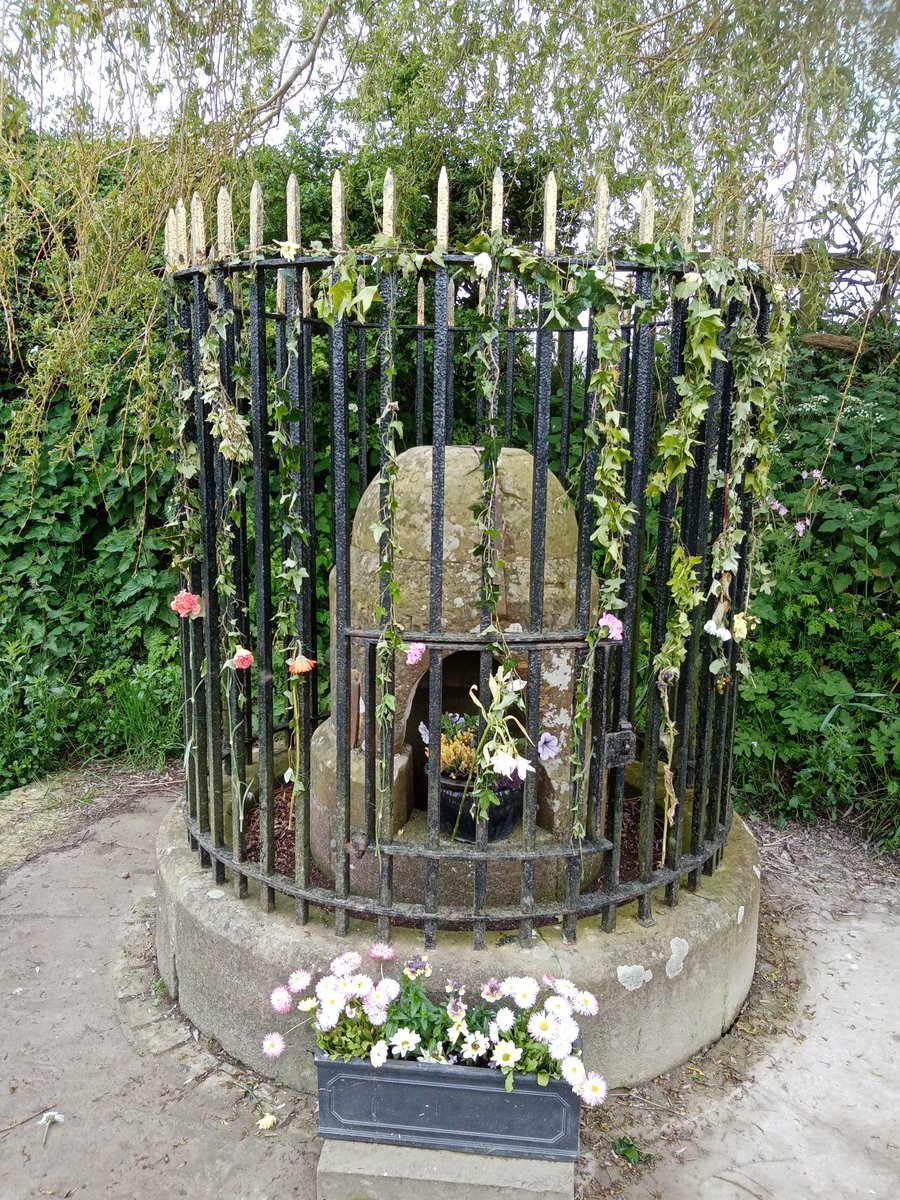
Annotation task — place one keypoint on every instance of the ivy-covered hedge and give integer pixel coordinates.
(819, 728)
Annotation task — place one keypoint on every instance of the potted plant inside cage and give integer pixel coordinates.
(483, 763)
(496, 1069)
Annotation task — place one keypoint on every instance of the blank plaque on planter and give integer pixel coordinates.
(447, 1108)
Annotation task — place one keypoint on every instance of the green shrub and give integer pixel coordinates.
(819, 726)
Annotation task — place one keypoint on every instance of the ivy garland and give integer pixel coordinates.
(348, 288)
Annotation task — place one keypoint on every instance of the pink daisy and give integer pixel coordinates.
(382, 952)
(273, 1045)
(281, 1000)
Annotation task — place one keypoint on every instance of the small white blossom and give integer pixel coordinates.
(506, 1054)
(378, 1054)
(404, 1041)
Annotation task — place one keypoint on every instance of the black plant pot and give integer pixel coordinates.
(456, 811)
(447, 1108)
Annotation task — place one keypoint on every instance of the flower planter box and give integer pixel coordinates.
(447, 1108)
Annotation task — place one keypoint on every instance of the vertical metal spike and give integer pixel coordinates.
(482, 296)
(451, 304)
(511, 306)
(758, 240)
(686, 222)
(171, 249)
(601, 216)
(389, 205)
(442, 228)
(281, 292)
(224, 224)
(256, 218)
(420, 303)
(648, 215)
(740, 230)
(768, 258)
(338, 213)
(550, 215)
(292, 194)
(717, 233)
(497, 201)
(198, 230)
(307, 293)
(360, 285)
(181, 252)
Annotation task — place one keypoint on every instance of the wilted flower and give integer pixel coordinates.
(613, 625)
(281, 1000)
(301, 665)
(273, 1045)
(548, 746)
(739, 626)
(269, 1121)
(404, 1041)
(186, 604)
(242, 658)
(415, 652)
(482, 264)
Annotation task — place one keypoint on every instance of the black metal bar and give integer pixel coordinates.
(664, 549)
(420, 377)
(209, 574)
(541, 447)
(387, 291)
(589, 903)
(442, 396)
(567, 358)
(263, 568)
(362, 405)
(340, 650)
(233, 509)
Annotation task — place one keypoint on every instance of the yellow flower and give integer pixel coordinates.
(739, 626)
(269, 1121)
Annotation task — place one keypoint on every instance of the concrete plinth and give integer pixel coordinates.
(362, 1171)
(665, 990)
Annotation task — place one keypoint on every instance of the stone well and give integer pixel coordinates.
(461, 615)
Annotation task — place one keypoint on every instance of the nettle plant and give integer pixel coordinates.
(514, 1026)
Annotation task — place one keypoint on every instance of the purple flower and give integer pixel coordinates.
(382, 952)
(492, 991)
(802, 525)
(817, 474)
(415, 652)
(830, 609)
(613, 626)
(548, 746)
(804, 474)
(782, 510)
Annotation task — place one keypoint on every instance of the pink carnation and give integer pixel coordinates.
(415, 652)
(613, 624)
(242, 658)
(186, 604)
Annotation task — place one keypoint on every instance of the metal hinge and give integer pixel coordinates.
(620, 747)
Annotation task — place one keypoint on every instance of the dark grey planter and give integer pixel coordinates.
(447, 1108)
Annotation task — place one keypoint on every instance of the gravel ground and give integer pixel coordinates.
(800, 1100)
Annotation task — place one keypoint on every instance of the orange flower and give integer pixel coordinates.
(301, 665)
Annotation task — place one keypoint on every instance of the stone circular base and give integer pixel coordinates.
(666, 990)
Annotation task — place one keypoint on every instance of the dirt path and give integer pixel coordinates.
(801, 1100)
